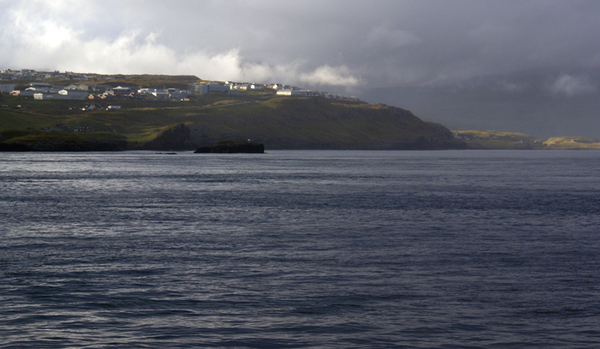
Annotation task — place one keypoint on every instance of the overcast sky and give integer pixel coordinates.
(344, 46)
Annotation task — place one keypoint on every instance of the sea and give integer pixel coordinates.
(300, 249)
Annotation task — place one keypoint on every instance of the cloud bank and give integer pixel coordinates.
(354, 43)
(53, 41)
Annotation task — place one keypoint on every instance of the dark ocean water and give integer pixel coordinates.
(300, 249)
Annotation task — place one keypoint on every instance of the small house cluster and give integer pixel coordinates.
(82, 90)
(42, 90)
(62, 127)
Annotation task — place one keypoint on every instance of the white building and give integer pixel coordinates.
(73, 94)
(288, 92)
(62, 94)
(211, 87)
(160, 94)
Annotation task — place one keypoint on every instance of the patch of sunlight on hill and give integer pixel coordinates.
(572, 143)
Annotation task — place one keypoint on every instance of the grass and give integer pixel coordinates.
(295, 120)
(34, 138)
(572, 143)
(514, 140)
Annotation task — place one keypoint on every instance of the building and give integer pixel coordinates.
(72, 94)
(43, 95)
(40, 85)
(211, 87)
(121, 91)
(288, 92)
(80, 87)
(215, 87)
(159, 94)
(199, 89)
(7, 88)
(101, 88)
(62, 94)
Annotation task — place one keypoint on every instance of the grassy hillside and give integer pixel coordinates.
(278, 122)
(497, 140)
(572, 143)
(512, 140)
(292, 122)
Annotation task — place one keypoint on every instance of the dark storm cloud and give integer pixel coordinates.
(384, 42)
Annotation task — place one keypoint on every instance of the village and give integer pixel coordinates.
(84, 87)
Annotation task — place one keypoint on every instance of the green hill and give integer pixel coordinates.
(512, 140)
(277, 122)
(572, 143)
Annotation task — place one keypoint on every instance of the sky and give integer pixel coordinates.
(513, 65)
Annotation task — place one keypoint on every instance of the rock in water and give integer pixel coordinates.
(232, 147)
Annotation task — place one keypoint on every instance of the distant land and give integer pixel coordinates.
(513, 140)
(86, 112)
(159, 112)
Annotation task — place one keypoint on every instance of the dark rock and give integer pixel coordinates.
(233, 147)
